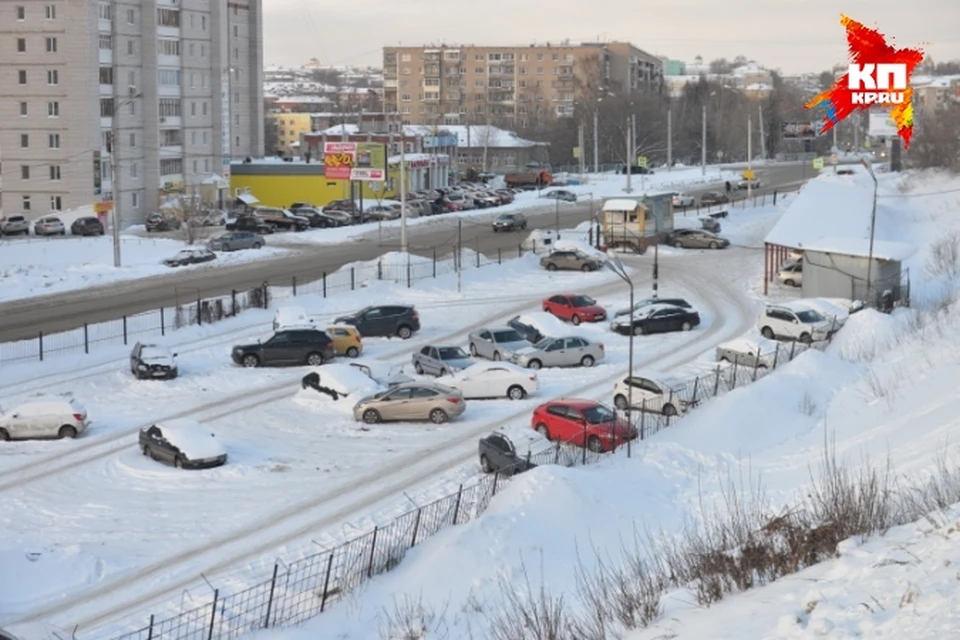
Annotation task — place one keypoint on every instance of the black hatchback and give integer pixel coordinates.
(88, 226)
(289, 347)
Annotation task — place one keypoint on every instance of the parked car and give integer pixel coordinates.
(287, 347)
(458, 202)
(162, 222)
(347, 341)
(185, 444)
(791, 274)
(153, 361)
(683, 200)
(511, 454)
(384, 321)
(751, 184)
(657, 318)
(14, 225)
(281, 219)
(710, 224)
(570, 351)
(190, 255)
(493, 380)
(343, 206)
(696, 239)
(496, 343)
(794, 322)
(713, 197)
(49, 226)
(45, 418)
(656, 393)
(584, 423)
(382, 373)
(342, 218)
(411, 401)
(418, 208)
(506, 196)
(646, 302)
(317, 218)
(560, 194)
(570, 261)
(510, 222)
(440, 360)
(210, 218)
(537, 325)
(250, 223)
(87, 226)
(236, 241)
(575, 308)
(748, 351)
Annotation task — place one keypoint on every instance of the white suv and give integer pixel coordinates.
(653, 393)
(793, 322)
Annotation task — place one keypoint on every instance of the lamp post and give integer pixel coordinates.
(596, 138)
(613, 261)
(873, 222)
(703, 142)
(114, 174)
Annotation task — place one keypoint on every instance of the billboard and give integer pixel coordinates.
(881, 125)
(355, 161)
(799, 130)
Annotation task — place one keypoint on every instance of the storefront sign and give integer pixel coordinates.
(354, 161)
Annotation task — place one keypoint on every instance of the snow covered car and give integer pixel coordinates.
(440, 360)
(43, 418)
(537, 325)
(653, 392)
(190, 256)
(749, 351)
(344, 380)
(493, 380)
(512, 453)
(646, 302)
(186, 444)
(683, 200)
(836, 310)
(381, 372)
(153, 361)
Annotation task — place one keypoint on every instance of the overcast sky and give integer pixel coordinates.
(792, 35)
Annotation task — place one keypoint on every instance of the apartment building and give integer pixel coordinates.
(167, 91)
(508, 85)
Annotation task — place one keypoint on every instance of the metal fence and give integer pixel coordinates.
(305, 588)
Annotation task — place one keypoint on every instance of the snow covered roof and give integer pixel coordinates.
(474, 135)
(882, 250)
(620, 204)
(339, 129)
(418, 157)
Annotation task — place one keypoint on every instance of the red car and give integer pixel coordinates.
(582, 423)
(575, 308)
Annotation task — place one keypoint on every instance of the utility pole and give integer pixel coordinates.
(763, 141)
(856, 133)
(403, 195)
(750, 156)
(596, 139)
(670, 139)
(703, 142)
(583, 152)
(629, 166)
(460, 255)
(115, 137)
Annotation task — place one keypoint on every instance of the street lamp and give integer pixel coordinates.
(873, 221)
(613, 261)
(114, 174)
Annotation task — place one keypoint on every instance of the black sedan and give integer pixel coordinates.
(657, 319)
(510, 222)
(190, 256)
(498, 454)
(646, 302)
(185, 444)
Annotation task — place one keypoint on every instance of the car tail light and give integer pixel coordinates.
(453, 399)
(601, 346)
(534, 378)
(415, 316)
(78, 417)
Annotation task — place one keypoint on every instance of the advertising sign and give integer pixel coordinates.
(818, 163)
(799, 130)
(881, 125)
(354, 161)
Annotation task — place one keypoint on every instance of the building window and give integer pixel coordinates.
(135, 199)
(24, 140)
(168, 77)
(106, 42)
(194, 166)
(168, 17)
(131, 48)
(204, 108)
(192, 49)
(405, 57)
(131, 16)
(55, 172)
(405, 97)
(203, 80)
(22, 76)
(204, 137)
(21, 45)
(193, 80)
(23, 108)
(203, 22)
(236, 31)
(53, 77)
(21, 13)
(25, 203)
(106, 107)
(193, 109)
(133, 140)
(134, 170)
(193, 137)
(50, 12)
(53, 140)
(169, 107)
(171, 166)
(169, 47)
(236, 141)
(405, 71)
(53, 109)
(55, 203)
(106, 11)
(236, 53)
(106, 75)
(132, 108)
(206, 164)
(51, 45)
(24, 172)
(203, 51)
(171, 138)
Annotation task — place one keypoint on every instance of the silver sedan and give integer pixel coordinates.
(497, 343)
(571, 351)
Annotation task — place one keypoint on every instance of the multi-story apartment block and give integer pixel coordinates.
(508, 85)
(157, 95)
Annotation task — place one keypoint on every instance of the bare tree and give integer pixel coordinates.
(937, 144)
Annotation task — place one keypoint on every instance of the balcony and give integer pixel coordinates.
(431, 70)
(431, 56)
(170, 122)
(390, 83)
(431, 97)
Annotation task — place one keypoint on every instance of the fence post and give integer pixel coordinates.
(124, 329)
(434, 262)
(353, 278)
(534, 245)
(456, 507)
(556, 456)
(213, 613)
(326, 584)
(478, 259)
(520, 250)
(409, 276)
(776, 355)
(233, 302)
(199, 312)
(150, 628)
(379, 268)
(163, 323)
(373, 549)
(86, 337)
(273, 585)
(496, 480)
(774, 196)
(734, 378)
(499, 256)
(793, 346)
(643, 418)
(756, 365)
(416, 528)
(40, 344)
(293, 284)
(696, 385)
(324, 284)
(716, 383)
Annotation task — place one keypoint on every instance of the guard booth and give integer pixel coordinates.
(635, 224)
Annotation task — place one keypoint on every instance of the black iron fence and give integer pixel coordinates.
(305, 588)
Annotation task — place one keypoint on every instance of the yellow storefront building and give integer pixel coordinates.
(275, 183)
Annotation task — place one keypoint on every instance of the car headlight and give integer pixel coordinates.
(142, 367)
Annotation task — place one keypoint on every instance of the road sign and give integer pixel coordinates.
(834, 159)
(105, 206)
(576, 152)
(818, 163)
(642, 162)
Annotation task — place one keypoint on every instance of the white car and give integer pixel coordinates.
(43, 418)
(837, 310)
(751, 351)
(49, 226)
(794, 321)
(653, 392)
(791, 274)
(683, 200)
(493, 380)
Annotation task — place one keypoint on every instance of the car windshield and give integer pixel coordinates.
(452, 353)
(809, 316)
(598, 415)
(543, 344)
(507, 336)
(506, 217)
(582, 301)
(154, 353)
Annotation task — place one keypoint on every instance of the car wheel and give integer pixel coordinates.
(806, 338)
(371, 416)
(353, 352)
(443, 372)
(485, 463)
(63, 232)
(575, 320)
(678, 244)
(404, 332)
(251, 361)
(225, 247)
(314, 359)
(714, 245)
(669, 410)
(439, 416)
(256, 245)
(586, 268)
(594, 444)
(551, 266)
(534, 364)
(620, 402)
(767, 333)
(640, 330)
(761, 367)
(496, 355)
(4, 435)
(542, 430)
(586, 361)
(178, 462)
(686, 326)
(418, 368)
(516, 392)
(725, 359)
(473, 350)
(67, 431)
(789, 283)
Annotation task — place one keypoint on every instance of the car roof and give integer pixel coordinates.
(579, 403)
(667, 379)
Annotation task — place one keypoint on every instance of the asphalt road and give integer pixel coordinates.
(22, 319)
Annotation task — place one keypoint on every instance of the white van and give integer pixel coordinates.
(292, 318)
(43, 418)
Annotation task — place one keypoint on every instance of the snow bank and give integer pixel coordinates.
(867, 332)
(43, 575)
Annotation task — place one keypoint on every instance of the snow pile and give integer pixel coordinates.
(44, 574)
(546, 324)
(867, 332)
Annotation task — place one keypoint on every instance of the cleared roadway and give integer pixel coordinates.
(22, 319)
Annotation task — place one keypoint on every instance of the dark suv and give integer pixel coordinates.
(162, 222)
(288, 347)
(88, 226)
(384, 320)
